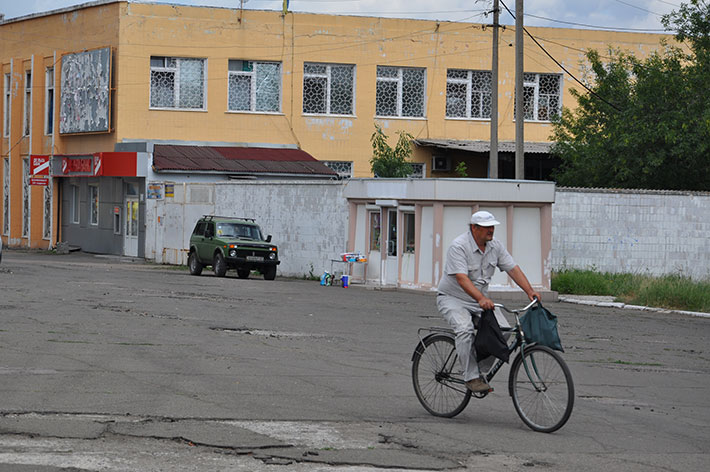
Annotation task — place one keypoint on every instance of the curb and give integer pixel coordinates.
(605, 304)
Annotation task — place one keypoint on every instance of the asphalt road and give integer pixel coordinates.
(123, 366)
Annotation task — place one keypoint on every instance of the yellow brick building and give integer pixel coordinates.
(235, 77)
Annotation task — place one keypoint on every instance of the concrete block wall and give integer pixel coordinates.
(307, 219)
(654, 232)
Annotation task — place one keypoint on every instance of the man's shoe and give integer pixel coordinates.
(478, 385)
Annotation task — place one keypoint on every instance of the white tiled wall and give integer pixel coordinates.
(637, 232)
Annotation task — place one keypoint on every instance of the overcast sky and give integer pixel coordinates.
(601, 14)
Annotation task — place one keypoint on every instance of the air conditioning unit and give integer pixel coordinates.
(440, 163)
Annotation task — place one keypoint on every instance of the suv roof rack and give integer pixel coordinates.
(210, 217)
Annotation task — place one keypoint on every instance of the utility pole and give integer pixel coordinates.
(493, 159)
(519, 100)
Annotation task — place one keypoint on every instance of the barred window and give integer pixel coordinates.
(177, 83)
(343, 168)
(328, 88)
(418, 171)
(25, 198)
(47, 217)
(400, 91)
(542, 98)
(254, 86)
(468, 93)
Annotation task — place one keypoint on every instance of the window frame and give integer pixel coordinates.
(468, 81)
(75, 204)
(253, 92)
(399, 80)
(49, 101)
(535, 86)
(94, 204)
(176, 80)
(328, 76)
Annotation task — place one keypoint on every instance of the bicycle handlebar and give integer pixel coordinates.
(525, 308)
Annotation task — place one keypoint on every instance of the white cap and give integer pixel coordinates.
(483, 218)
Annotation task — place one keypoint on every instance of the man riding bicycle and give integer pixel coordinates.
(470, 264)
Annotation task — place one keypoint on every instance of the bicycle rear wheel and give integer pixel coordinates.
(543, 394)
(437, 377)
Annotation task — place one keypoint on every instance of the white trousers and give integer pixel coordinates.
(457, 313)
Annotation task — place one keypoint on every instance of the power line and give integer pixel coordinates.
(611, 28)
(561, 66)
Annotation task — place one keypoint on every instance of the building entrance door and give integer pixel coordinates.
(130, 239)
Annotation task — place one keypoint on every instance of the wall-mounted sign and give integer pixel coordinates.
(155, 191)
(39, 181)
(169, 190)
(39, 165)
(85, 101)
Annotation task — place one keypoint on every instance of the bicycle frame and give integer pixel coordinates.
(518, 342)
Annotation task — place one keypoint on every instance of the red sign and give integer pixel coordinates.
(39, 165)
(77, 166)
(40, 181)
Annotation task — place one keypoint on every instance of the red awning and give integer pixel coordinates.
(238, 160)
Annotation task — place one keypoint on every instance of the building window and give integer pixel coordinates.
(418, 170)
(94, 204)
(6, 197)
(75, 204)
(375, 231)
(542, 96)
(400, 91)
(47, 218)
(25, 198)
(328, 89)
(27, 118)
(6, 108)
(408, 233)
(177, 83)
(49, 101)
(254, 86)
(468, 93)
(343, 168)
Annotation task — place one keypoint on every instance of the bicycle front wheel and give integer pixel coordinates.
(437, 377)
(540, 384)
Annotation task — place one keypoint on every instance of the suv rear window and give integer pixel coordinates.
(200, 228)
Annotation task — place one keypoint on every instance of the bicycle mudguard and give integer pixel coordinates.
(420, 345)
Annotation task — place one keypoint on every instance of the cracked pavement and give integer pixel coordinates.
(114, 366)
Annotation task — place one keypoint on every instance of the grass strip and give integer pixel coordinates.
(673, 291)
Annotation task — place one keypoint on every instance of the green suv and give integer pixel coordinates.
(225, 242)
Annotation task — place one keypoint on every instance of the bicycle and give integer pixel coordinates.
(540, 383)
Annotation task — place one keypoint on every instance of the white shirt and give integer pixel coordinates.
(465, 257)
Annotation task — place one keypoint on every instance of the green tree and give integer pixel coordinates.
(388, 162)
(645, 123)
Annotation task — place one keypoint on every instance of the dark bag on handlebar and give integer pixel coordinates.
(540, 326)
(489, 339)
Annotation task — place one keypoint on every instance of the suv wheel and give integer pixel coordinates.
(243, 273)
(193, 264)
(218, 265)
(270, 273)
